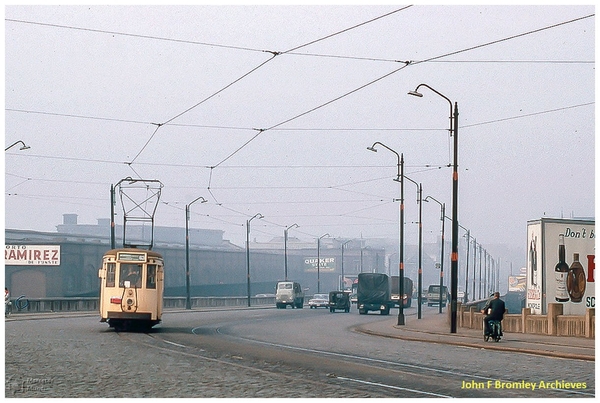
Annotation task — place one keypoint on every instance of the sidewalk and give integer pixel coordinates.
(435, 328)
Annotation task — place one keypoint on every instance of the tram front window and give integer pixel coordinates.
(130, 272)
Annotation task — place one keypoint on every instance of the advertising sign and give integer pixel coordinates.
(32, 255)
(517, 283)
(347, 281)
(560, 265)
(327, 264)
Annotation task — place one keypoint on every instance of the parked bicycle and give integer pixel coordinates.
(21, 303)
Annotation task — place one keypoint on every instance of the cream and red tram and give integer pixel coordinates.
(131, 290)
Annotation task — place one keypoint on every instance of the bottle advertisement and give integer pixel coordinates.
(560, 265)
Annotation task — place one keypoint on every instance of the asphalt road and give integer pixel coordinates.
(267, 353)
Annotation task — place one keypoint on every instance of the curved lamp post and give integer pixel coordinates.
(188, 298)
(443, 210)
(257, 215)
(420, 273)
(399, 178)
(23, 147)
(454, 256)
(343, 282)
(285, 239)
(319, 262)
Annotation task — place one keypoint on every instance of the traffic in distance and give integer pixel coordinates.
(132, 288)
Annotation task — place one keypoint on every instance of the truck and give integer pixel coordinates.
(433, 295)
(560, 265)
(408, 291)
(289, 293)
(374, 293)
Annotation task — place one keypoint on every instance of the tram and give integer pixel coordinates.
(132, 287)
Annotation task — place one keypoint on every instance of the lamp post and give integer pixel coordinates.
(319, 262)
(248, 250)
(23, 147)
(466, 296)
(474, 267)
(420, 275)
(285, 239)
(443, 210)
(343, 244)
(188, 298)
(454, 256)
(399, 178)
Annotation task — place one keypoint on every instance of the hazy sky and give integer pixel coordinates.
(270, 109)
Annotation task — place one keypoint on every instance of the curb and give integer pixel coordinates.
(487, 346)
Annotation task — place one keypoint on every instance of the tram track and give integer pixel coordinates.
(349, 374)
(233, 360)
(430, 375)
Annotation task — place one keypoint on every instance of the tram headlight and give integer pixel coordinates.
(129, 301)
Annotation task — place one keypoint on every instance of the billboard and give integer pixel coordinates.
(560, 265)
(32, 255)
(327, 264)
(517, 283)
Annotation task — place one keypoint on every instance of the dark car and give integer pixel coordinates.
(339, 300)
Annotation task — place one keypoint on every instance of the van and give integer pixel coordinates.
(289, 293)
(433, 295)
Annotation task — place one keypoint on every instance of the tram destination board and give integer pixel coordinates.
(131, 257)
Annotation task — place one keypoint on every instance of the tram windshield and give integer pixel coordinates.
(132, 273)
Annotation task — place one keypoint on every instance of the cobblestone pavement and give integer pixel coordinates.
(75, 357)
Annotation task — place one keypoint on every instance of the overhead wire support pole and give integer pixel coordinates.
(399, 178)
(420, 271)
(454, 255)
(188, 298)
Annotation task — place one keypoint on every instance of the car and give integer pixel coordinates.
(319, 301)
(339, 300)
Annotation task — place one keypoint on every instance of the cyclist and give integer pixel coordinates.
(494, 310)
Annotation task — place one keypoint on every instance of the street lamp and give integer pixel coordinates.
(248, 250)
(188, 299)
(454, 256)
(319, 262)
(285, 239)
(443, 210)
(466, 296)
(420, 278)
(23, 147)
(399, 178)
(343, 244)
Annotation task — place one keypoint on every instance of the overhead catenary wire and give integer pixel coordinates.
(273, 55)
(508, 38)
(279, 128)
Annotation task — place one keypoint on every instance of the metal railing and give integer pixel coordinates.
(89, 304)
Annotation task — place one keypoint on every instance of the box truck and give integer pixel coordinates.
(374, 293)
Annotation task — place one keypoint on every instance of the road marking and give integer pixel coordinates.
(383, 385)
(419, 367)
(174, 344)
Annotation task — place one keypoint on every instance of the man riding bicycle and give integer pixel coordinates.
(494, 310)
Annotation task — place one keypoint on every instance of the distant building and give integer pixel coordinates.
(71, 256)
